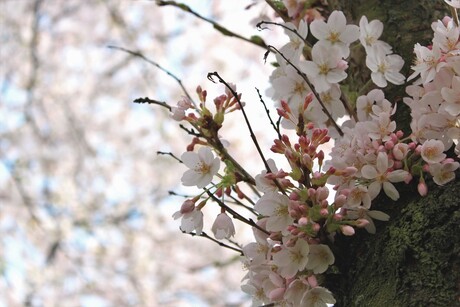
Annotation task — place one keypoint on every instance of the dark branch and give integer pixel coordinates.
(268, 114)
(253, 40)
(152, 101)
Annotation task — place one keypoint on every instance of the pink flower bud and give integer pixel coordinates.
(408, 178)
(361, 223)
(312, 281)
(347, 230)
(324, 212)
(316, 227)
(223, 227)
(340, 201)
(303, 221)
(276, 294)
(188, 206)
(422, 188)
(389, 145)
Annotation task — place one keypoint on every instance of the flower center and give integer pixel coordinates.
(333, 37)
(202, 168)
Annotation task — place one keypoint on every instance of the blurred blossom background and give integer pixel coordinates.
(85, 215)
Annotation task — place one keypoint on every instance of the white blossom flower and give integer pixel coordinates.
(384, 67)
(223, 227)
(453, 3)
(190, 221)
(370, 33)
(318, 297)
(291, 86)
(203, 166)
(358, 195)
(319, 258)
(335, 33)
(452, 97)
(325, 69)
(290, 260)
(266, 185)
(294, 48)
(276, 207)
(381, 127)
(427, 64)
(443, 173)
(382, 177)
(365, 103)
(432, 151)
(295, 292)
(446, 36)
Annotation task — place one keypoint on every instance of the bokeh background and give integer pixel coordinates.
(85, 213)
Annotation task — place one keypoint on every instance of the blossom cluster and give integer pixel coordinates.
(297, 215)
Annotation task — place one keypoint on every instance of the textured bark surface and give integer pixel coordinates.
(414, 259)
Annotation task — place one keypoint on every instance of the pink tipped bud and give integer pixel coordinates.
(340, 201)
(337, 217)
(316, 227)
(361, 223)
(389, 145)
(311, 192)
(324, 212)
(347, 230)
(188, 206)
(312, 281)
(399, 134)
(303, 221)
(408, 178)
(422, 188)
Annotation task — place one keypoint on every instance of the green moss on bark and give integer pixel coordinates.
(413, 260)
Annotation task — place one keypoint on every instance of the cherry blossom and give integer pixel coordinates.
(383, 177)
(432, 151)
(294, 48)
(370, 33)
(452, 97)
(326, 68)
(443, 173)
(290, 260)
(335, 33)
(384, 67)
(223, 227)
(318, 297)
(276, 207)
(428, 63)
(203, 166)
(190, 221)
(319, 258)
(453, 3)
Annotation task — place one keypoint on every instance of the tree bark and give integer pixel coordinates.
(414, 259)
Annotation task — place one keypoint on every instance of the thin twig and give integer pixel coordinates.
(205, 235)
(282, 13)
(304, 76)
(268, 114)
(248, 124)
(258, 42)
(152, 101)
(169, 154)
(259, 26)
(140, 55)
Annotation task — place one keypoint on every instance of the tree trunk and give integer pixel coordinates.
(414, 259)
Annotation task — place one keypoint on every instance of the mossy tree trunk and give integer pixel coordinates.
(414, 259)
